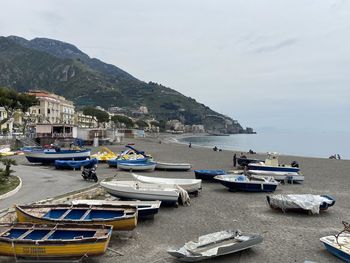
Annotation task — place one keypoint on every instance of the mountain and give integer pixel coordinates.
(62, 68)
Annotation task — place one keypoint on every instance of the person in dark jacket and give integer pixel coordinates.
(234, 160)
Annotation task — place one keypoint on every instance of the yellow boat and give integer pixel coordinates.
(32, 241)
(120, 217)
(104, 155)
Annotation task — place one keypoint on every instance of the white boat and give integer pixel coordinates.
(340, 247)
(292, 177)
(141, 191)
(214, 245)
(147, 166)
(190, 185)
(173, 166)
(144, 208)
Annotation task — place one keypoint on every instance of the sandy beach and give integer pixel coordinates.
(289, 237)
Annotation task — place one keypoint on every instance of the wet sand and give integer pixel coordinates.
(289, 237)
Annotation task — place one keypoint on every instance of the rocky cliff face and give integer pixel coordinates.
(62, 68)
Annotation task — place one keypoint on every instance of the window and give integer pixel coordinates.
(48, 111)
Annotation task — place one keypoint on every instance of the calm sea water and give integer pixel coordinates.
(321, 144)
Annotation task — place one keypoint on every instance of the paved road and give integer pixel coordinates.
(40, 182)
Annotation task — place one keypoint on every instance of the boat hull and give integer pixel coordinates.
(208, 174)
(131, 193)
(69, 164)
(334, 249)
(290, 177)
(137, 166)
(256, 166)
(173, 166)
(47, 248)
(128, 223)
(249, 186)
(51, 156)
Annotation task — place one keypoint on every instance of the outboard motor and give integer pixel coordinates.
(294, 164)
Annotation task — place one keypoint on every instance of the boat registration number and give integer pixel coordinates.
(34, 250)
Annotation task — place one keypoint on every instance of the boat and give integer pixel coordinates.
(290, 177)
(104, 155)
(134, 190)
(208, 174)
(339, 244)
(69, 164)
(214, 245)
(40, 242)
(145, 166)
(121, 218)
(271, 164)
(115, 162)
(244, 161)
(173, 166)
(51, 155)
(190, 185)
(312, 204)
(243, 183)
(144, 208)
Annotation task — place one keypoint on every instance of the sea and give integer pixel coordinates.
(298, 143)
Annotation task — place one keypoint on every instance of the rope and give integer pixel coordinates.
(346, 229)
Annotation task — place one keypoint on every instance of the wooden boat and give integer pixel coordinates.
(115, 162)
(310, 203)
(144, 208)
(173, 166)
(140, 191)
(104, 155)
(51, 155)
(32, 241)
(271, 164)
(190, 185)
(215, 244)
(146, 166)
(339, 244)
(69, 164)
(208, 174)
(290, 177)
(121, 218)
(243, 183)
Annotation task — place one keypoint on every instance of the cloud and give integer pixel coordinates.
(275, 47)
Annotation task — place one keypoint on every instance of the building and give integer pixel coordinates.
(52, 108)
(175, 125)
(85, 121)
(7, 126)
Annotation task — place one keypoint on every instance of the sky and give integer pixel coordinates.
(272, 63)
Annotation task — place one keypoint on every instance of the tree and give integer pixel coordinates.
(100, 115)
(141, 124)
(5, 174)
(121, 119)
(12, 101)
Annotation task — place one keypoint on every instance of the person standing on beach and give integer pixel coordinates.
(234, 160)
(190, 145)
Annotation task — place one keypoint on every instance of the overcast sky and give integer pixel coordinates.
(266, 63)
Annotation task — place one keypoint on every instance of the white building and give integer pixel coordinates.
(7, 125)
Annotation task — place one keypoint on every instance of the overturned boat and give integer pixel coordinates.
(247, 184)
(70, 164)
(208, 174)
(144, 208)
(51, 155)
(134, 190)
(190, 185)
(173, 166)
(215, 244)
(40, 242)
(121, 218)
(303, 202)
(143, 166)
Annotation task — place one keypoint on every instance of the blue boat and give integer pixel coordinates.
(339, 243)
(208, 174)
(68, 164)
(245, 184)
(115, 162)
(271, 164)
(51, 155)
